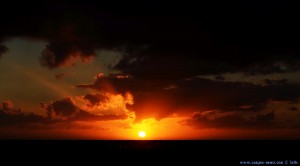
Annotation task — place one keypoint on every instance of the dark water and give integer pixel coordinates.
(189, 152)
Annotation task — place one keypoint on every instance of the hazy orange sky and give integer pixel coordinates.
(106, 72)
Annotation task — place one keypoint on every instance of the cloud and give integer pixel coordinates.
(293, 108)
(95, 99)
(108, 104)
(233, 95)
(151, 93)
(276, 82)
(266, 117)
(8, 108)
(119, 83)
(220, 78)
(219, 119)
(10, 116)
(66, 111)
(21, 119)
(3, 49)
(32, 121)
(156, 99)
(65, 54)
(162, 43)
(60, 108)
(7, 105)
(60, 75)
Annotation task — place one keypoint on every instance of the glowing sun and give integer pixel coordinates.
(142, 134)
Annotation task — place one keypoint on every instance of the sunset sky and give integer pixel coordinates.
(87, 70)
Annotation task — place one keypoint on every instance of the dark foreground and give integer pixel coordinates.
(150, 152)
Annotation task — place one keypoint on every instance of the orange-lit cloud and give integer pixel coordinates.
(80, 124)
(108, 113)
(107, 104)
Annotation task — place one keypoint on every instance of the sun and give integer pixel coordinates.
(142, 134)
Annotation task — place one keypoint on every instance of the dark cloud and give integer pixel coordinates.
(33, 121)
(66, 110)
(61, 108)
(3, 49)
(220, 78)
(276, 82)
(222, 122)
(122, 83)
(232, 41)
(266, 117)
(59, 111)
(232, 120)
(293, 108)
(83, 115)
(60, 75)
(11, 116)
(21, 119)
(8, 108)
(163, 40)
(234, 95)
(64, 54)
(95, 99)
(156, 98)
(155, 95)
(7, 105)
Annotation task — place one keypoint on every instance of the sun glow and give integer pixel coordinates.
(142, 134)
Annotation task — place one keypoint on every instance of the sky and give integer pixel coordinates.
(109, 71)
